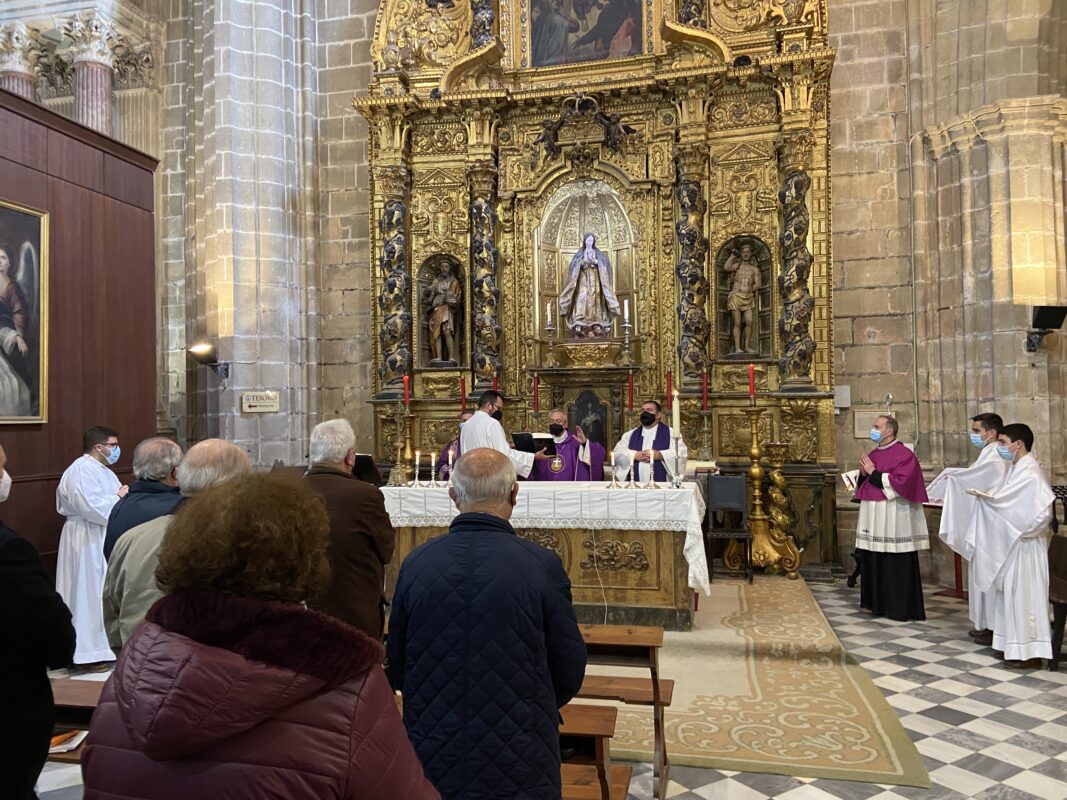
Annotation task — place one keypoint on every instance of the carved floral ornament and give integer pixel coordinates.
(19, 48)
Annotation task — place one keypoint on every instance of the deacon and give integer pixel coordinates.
(444, 462)
(650, 444)
(87, 491)
(1011, 552)
(483, 429)
(957, 516)
(892, 528)
(576, 459)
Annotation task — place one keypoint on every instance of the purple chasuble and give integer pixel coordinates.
(901, 469)
(442, 459)
(572, 469)
(661, 442)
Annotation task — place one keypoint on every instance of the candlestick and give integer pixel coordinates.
(407, 390)
(631, 484)
(751, 380)
(462, 394)
(415, 480)
(651, 484)
(536, 393)
(451, 456)
(433, 469)
(670, 382)
(704, 391)
(676, 412)
(630, 390)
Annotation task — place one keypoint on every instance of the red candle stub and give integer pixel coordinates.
(537, 393)
(670, 387)
(704, 391)
(495, 389)
(462, 394)
(407, 390)
(630, 390)
(751, 380)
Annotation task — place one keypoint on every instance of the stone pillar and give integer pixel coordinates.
(19, 51)
(92, 39)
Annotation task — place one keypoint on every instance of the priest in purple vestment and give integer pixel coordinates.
(576, 459)
(892, 528)
(441, 467)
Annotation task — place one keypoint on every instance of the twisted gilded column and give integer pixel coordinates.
(19, 51)
(485, 293)
(93, 37)
(394, 336)
(691, 268)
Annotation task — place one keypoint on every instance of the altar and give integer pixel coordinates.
(633, 555)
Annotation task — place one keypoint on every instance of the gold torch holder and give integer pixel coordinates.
(771, 548)
(402, 472)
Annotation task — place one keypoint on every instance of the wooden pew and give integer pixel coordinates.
(597, 724)
(75, 702)
(632, 646)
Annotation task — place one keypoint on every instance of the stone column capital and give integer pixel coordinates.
(393, 181)
(482, 175)
(93, 39)
(692, 161)
(19, 48)
(795, 149)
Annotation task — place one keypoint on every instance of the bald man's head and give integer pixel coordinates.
(484, 480)
(209, 463)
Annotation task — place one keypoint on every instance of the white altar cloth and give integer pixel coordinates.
(581, 504)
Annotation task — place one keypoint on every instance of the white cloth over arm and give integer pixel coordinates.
(482, 430)
(88, 491)
(957, 516)
(621, 454)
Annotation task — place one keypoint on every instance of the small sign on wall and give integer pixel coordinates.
(260, 402)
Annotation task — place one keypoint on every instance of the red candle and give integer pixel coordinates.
(494, 384)
(670, 387)
(630, 390)
(751, 380)
(537, 392)
(407, 390)
(704, 391)
(462, 394)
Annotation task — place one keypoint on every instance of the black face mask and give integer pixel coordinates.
(498, 415)
(647, 418)
(555, 429)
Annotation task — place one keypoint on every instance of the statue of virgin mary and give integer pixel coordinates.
(588, 302)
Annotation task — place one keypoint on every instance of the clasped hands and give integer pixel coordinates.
(866, 465)
(642, 455)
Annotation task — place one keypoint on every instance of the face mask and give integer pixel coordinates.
(498, 415)
(976, 440)
(647, 418)
(555, 429)
(876, 435)
(113, 456)
(1004, 451)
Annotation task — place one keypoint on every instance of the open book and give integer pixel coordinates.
(851, 479)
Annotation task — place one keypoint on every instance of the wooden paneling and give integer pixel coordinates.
(102, 332)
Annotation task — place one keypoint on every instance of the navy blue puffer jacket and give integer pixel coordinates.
(484, 645)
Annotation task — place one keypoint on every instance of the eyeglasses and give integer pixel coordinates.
(109, 444)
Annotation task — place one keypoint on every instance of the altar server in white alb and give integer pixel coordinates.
(957, 518)
(1011, 552)
(87, 491)
(484, 430)
(651, 445)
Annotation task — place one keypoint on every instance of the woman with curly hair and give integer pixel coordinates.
(232, 687)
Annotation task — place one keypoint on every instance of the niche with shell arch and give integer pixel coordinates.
(763, 316)
(574, 209)
(434, 289)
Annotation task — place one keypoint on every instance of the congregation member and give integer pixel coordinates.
(1011, 551)
(651, 446)
(86, 494)
(362, 539)
(484, 645)
(483, 429)
(958, 510)
(576, 459)
(441, 468)
(892, 528)
(130, 587)
(153, 493)
(232, 687)
(36, 634)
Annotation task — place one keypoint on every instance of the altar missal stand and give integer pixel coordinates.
(726, 494)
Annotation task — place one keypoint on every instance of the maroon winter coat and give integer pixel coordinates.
(219, 696)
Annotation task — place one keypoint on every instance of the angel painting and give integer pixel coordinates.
(22, 299)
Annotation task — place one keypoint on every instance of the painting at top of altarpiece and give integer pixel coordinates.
(577, 31)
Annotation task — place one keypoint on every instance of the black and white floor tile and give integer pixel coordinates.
(984, 731)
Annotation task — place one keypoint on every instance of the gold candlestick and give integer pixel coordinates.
(782, 517)
(401, 474)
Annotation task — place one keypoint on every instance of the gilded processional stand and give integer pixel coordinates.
(691, 139)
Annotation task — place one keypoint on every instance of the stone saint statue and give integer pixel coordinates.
(588, 302)
(442, 298)
(741, 302)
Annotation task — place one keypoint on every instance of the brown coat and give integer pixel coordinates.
(362, 541)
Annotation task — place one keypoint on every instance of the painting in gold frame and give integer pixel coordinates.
(577, 31)
(23, 314)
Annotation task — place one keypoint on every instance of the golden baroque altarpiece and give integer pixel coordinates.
(681, 136)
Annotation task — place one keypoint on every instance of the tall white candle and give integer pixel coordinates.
(548, 315)
(433, 466)
(676, 414)
(626, 309)
(418, 453)
(651, 462)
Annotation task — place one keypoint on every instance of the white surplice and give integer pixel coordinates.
(622, 454)
(87, 491)
(957, 521)
(1011, 559)
(893, 525)
(482, 430)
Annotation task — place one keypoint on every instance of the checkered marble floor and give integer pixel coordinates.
(984, 731)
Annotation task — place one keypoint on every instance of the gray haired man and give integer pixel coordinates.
(130, 585)
(153, 493)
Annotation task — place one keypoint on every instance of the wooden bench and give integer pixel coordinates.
(638, 647)
(75, 702)
(596, 724)
(582, 782)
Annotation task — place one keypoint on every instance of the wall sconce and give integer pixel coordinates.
(205, 354)
(1045, 320)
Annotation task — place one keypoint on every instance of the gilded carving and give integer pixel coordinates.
(439, 141)
(440, 385)
(615, 555)
(485, 257)
(394, 337)
(797, 302)
(546, 538)
(735, 378)
(799, 429)
(694, 287)
(743, 112)
(420, 36)
(735, 434)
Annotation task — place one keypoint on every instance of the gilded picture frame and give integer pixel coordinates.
(23, 314)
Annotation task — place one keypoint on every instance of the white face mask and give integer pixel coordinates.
(5, 486)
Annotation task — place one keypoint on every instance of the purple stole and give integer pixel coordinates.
(661, 442)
